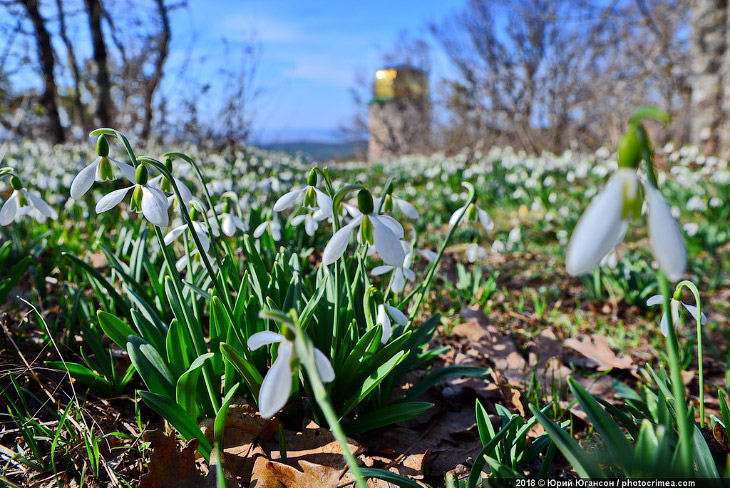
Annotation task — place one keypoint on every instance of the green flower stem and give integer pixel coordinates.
(691, 287)
(435, 263)
(685, 432)
(305, 352)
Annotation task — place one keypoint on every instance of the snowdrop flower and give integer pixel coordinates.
(473, 214)
(474, 251)
(273, 225)
(99, 170)
(230, 223)
(428, 255)
(605, 222)
(163, 183)
(314, 199)
(276, 386)
(385, 313)
(402, 273)
(392, 201)
(22, 203)
(311, 221)
(201, 231)
(674, 308)
(380, 231)
(151, 202)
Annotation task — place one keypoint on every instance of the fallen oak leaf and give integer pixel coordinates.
(595, 348)
(273, 474)
(168, 467)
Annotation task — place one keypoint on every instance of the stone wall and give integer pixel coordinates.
(399, 126)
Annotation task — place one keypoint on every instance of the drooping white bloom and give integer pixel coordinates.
(310, 220)
(385, 313)
(474, 251)
(99, 170)
(230, 223)
(201, 231)
(148, 201)
(402, 273)
(22, 203)
(273, 225)
(164, 186)
(406, 207)
(290, 199)
(674, 308)
(277, 383)
(473, 214)
(606, 220)
(386, 236)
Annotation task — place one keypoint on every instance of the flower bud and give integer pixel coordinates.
(629, 150)
(677, 295)
(102, 147)
(141, 175)
(16, 183)
(312, 178)
(365, 202)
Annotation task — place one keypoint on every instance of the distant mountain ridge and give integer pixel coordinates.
(319, 151)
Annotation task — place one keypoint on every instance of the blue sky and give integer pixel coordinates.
(310, 51)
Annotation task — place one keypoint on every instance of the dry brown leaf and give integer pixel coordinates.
(268, 473)
(168, 467)
(313, 444)
(499, 348)
(596, 348)
(244, 429)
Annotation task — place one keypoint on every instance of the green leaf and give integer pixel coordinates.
(439, 374)
(573, 452)
(610, 432)
(84, 375)
(375, 378)
(187, 385)
(117, 330)
(179, 418)
(390, 477)
(387, 416)
(152, 368)
(220, 417)
(250, 374)
(484, 425)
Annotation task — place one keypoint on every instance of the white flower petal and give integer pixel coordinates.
(398, 282)
(409, 274)
(407, 209)
(384, 321)
(428, 255)
(472, 252)
(324, 367)
(298, 219)
(259, 230)
(655, 300)
(84, 180)
(310, 227)
(387, 243)
(174, 234)
(335, 248)
(112, 199)
(154, 208)
(10, 208)
(693, 312)
(397, 315)
(485, 219)
(276, 386)
(455, 216)
(42, 206)
(600, 228)
(227, 225)
(324, 202)
(382, 269)
(288, 200)
(665, 235)
(391, 223)
(275, 227)
(127, 170)
(263, 338)
(664, 325)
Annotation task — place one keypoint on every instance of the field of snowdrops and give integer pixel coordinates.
(198, 318)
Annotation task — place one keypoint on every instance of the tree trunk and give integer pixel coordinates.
(709, 46)
(104, 100)
(47, 62)
(154, 81)
(78, 105)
